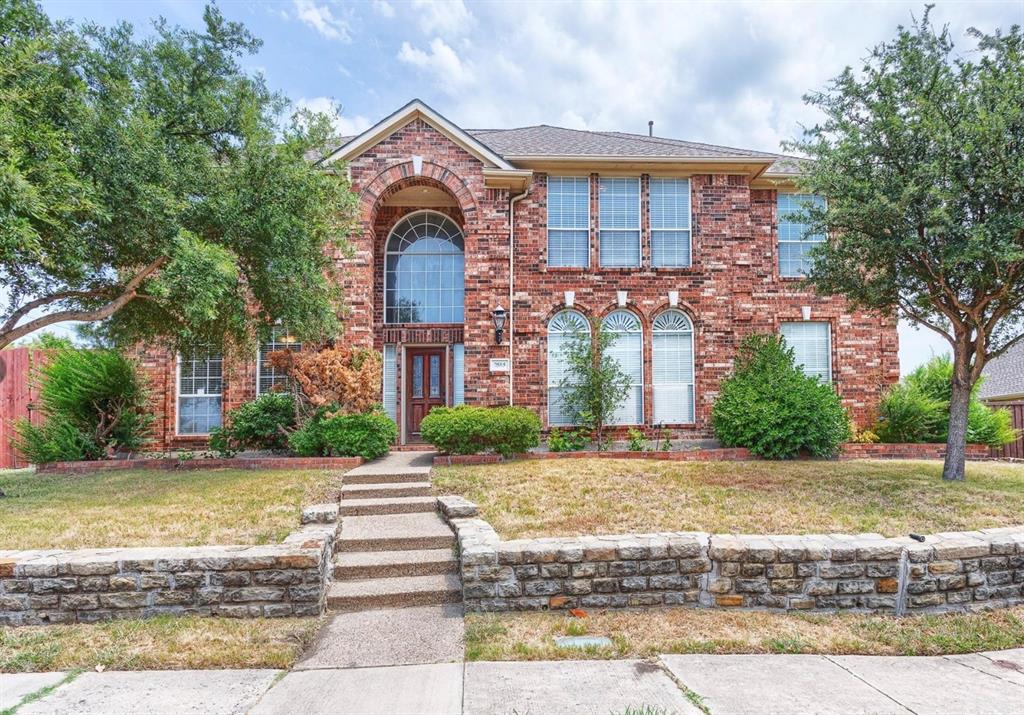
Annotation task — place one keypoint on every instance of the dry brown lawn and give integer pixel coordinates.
(640, 634)
(566, 497)
(156, 508)
(163, 643)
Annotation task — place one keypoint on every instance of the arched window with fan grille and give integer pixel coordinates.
(628, 350)
(672, 368)
(424, 273)
(561, 329)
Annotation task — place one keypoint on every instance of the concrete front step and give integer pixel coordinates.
(396, 478)
(395, 505)
(389, 564)
(394, 592)
(385, 491)
(394, 532)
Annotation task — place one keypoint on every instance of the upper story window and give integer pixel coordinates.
(269, 377)
(619, 202)
(670, 223)
(795, 243)
(200, 386)
(424, 272)
(812, 347)
(569, 221)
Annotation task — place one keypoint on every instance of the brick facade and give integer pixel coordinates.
(732, 288)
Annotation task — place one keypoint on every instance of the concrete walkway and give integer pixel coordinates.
(977, 684)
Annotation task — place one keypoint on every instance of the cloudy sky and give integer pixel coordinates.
(730, 73)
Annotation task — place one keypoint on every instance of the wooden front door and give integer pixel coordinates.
(425, 385)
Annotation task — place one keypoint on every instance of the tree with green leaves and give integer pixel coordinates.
(594, 384)
(921, 158)
(152, 187)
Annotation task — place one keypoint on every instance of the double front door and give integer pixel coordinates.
(425, 385)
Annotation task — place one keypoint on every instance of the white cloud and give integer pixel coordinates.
(441, 62)
(447, 18)
(320, 18)
(345, 125)
(384, 8)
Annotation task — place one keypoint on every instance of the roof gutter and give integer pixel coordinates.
(511, 288)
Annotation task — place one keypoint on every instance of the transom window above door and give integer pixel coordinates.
(424, 272)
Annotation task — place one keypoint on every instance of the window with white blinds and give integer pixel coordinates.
(670, 223)
(390, 389)
(458, 374)
(619, 203)
(561, 330)
(200, 385)
(795, 243)
(569, 221)
(812, 347)
(269, 378)
(628, 351)
(672, 368)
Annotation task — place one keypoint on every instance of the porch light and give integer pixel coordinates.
(500, 316)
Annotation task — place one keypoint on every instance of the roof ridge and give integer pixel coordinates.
(670, 140)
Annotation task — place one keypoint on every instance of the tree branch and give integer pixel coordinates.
(105, 311)
(46, 300)
(917, 317)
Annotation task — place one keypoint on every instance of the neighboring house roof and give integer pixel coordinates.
(504, 147)
(1004, 376)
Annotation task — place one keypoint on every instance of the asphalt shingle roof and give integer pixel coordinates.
(1004, 376)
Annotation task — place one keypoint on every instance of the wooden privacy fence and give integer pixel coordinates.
(17, 392)
(1014, 450)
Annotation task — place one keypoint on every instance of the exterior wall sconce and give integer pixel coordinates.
(499, 316)
(622, 297)
(570, 298)
(673, 298)
(805, 311)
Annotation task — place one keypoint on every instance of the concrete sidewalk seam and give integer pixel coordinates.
(689, 693)
(869, 684)
(983, 672)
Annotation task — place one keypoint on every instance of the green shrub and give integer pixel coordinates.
(472, 430)
(770, 407)
(368, 435)
(637, 440)
(260, 424)
(93, 403)
(917, 410)
(308, 440)
(568, 440)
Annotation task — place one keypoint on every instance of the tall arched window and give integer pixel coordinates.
(628, 349)
(424, 273)
(673, 368)
(561, 328)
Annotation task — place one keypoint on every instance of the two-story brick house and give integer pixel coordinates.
(679, 247)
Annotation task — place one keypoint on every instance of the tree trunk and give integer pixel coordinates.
(956, 441)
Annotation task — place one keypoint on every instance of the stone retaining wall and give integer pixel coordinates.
(866, 572)
(286, 579)
(232, 463)
(849, 451)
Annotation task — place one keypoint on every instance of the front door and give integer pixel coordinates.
(424, 385)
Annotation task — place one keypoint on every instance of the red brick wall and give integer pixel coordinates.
(732, 288)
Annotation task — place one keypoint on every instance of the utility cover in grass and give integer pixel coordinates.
(583, 642)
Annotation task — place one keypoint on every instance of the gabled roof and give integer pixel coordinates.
(417, 109)
(1004, 376)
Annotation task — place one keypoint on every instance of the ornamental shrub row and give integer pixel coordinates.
(368, 435)
(472, 430)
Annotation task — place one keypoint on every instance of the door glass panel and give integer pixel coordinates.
(435, 375)
(417, 376)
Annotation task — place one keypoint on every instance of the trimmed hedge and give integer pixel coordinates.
(472, 430)
(260, 424)
(369, 435)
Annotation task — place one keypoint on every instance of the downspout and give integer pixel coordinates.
(511, 284)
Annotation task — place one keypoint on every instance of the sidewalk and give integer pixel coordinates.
(977, 684)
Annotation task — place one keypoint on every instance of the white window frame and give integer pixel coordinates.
(620, 314)
(828, 346)
(691, 408)
(555, 328)
(799, 241)
(689, 221)
(274, 377)
(388, 252)
(178, 396)
(639, 223)
(550, 228)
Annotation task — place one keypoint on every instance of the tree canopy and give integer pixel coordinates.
(153, 184)
(921, 158)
